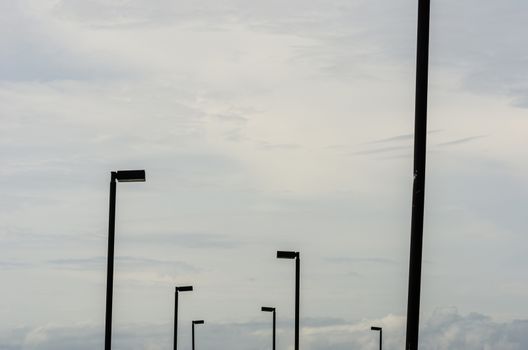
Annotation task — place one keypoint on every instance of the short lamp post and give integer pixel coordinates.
(121, 176)
(380, 334)
(178, 289)
(297, 257)
(193, 323)
(272, 309)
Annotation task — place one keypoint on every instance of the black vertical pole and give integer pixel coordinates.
(193, 336)
(274, 327)
(420, 135)
(381, 338)
(110, 264)
(176, 318)
(297, 292)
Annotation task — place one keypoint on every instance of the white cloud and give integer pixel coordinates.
(445, 329)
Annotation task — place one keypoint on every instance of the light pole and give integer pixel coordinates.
(380, 333)
(418, 196)
(121, 176)
(193, 323)
(178, 289)
(272, 309)
(297, 257)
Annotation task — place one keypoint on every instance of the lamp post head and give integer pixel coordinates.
(287, 255)
(268, 309)
(198, 322)
(375, 328)
(129, 175)
(184, 289)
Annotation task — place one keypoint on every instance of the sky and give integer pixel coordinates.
(262, 126)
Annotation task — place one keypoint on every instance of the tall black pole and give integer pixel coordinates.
(420, 136)
(193, 336)
(381, 338)
(274, 328)
(176, 318)
(110, 264)
(297, 292)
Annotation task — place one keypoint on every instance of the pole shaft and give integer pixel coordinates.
(175, 320)
(274, 329)
(110, 266)
(193, 336)
(297, 301)
(420, 138)
(381, 339)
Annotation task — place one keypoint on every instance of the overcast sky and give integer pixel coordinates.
(263, 125)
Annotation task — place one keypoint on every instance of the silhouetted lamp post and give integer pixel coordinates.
(380, 333)
(193, 323)
(418, 196)
(178, 289)
(272, 309)
(297, 257)
(121, 176)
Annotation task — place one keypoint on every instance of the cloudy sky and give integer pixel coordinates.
(262, 125)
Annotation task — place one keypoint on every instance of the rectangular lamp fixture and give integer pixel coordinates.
(130, 175)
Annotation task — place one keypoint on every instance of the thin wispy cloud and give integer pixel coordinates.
(461, 141)
(398, 138)
(189, 240)
(278, 146)
(352, 260)
(380, 150)
(13, 265)
(127, 262)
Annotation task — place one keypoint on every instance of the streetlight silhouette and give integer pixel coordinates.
(178, 289)
(297, 257)
(380, 333)
(418, 196)
(193, 323)
(121, 176)
(272, 309)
